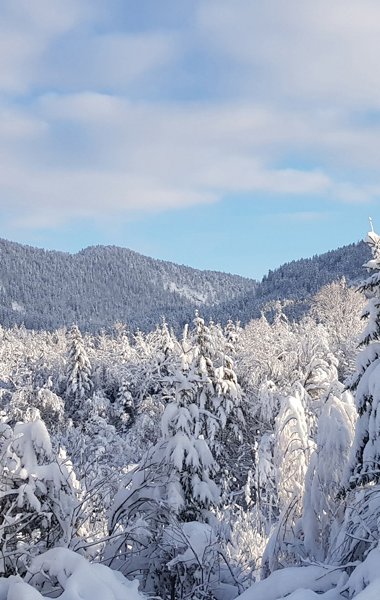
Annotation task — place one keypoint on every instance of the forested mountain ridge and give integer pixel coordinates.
(103, 284)
(294, 283)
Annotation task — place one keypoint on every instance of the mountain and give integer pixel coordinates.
(295, 283)
(104, 284)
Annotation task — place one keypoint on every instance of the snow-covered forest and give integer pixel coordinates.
(223, 462)
(101, 285)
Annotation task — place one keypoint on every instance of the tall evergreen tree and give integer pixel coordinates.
(325, 470)
(365, 456)
(122, 410)
(78, 373)
(38, 503)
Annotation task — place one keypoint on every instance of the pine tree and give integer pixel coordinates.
(324, 475)
(38, 501)
(357, 529)
(122, 410)
(78, 373)
(291, 455)
(365, 456)
(220, 397)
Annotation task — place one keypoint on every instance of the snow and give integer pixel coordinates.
(325, 472)
(196, 537)
(18, 307)
(22, 591)
(294, 579)
(79, 579)
(365, 573)
(303, 594)
(244, 476)
(205, 490)
(372, 592)
(186, 292)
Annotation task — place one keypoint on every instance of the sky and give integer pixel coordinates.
(225, 135)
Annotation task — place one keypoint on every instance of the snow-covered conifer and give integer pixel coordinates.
(324, 475)
(177, 480)
(78, 372)
(220, 396)
(292, 448)
(365, 456)
(359, 526)
(37, 494)
(265, 483)
(124, 408)
(232, 333)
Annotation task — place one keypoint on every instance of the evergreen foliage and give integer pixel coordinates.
(78, 373)
(194, 463)
(100, 286)
(365, 462)
(38, 495)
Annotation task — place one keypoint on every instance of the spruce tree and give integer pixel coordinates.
(122, 410)
(365, 456)
(38, 503)
(78, 373)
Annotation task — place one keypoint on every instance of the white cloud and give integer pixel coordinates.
(51, 17)
(322, 51)
(303, 74)
(150, 157)
(108, 61)
(62, 44)
(18, 125)
(26, 31)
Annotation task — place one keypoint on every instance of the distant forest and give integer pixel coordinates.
(105, 284)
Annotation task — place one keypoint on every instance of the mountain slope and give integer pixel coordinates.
(104, 284)
(297, 282)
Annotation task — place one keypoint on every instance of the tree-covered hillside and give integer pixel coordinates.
(104, 284)
(295, 283)
(101, 285)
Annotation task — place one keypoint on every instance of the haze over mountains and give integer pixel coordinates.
(104, 284)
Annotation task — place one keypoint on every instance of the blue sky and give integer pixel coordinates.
(225, 135)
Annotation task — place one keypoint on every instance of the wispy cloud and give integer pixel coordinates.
(294, 51)
(83, 127)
